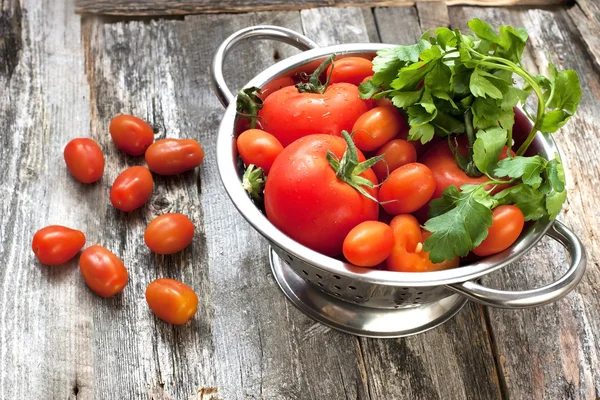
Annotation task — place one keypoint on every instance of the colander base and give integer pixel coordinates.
(360, 320)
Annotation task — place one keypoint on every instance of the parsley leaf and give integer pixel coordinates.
(424, 133)
(462, 225)
(481, 86)
(487, 148)
(529, 169)
(554, 203)
(529, 200)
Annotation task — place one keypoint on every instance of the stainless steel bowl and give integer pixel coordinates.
(362, 301)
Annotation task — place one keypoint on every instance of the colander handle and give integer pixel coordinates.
(271, 32)
(534, 297)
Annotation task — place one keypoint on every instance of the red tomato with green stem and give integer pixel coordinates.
(315, 199)
(507, 224)
(132, 135)
(350, 70)
(172, 301)
(259, 148)
(57, 244)
(169, 233)
(311, 108)
(174, 156)
(396, 153)
(378, 126)
(84, 160)
(132, 189)
(368, 244)
(407, 254)
(103, 272)
(407, 189)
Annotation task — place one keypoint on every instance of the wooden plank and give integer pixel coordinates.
(586, 18)
(432, 15)
(183, 7)
(455, 360)
(552, 352)
(46, 318)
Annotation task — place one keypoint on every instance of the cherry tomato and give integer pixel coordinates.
(56, 244)
(507, 225)
(84, 160)
(132, 189)
(169, 233)
(288, 114)
(259, 148)
(350, 70)
(407, 254)
(102, 271)
(306, 201)
(397, 152)
(172, 301)
(378, 126)
(368, 243)
(407, 189)
(174, 156)
(131, 135)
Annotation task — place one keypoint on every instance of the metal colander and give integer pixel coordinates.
(358, 300)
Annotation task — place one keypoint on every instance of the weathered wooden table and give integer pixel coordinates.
(64, 75)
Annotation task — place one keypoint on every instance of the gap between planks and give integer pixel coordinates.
(160, 7)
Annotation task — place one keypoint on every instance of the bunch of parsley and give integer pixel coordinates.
(451, 84)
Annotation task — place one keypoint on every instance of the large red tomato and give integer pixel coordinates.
(305, 199)
(289, 114)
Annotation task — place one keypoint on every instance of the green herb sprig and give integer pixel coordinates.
(451, 83)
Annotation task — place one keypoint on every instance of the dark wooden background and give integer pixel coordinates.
(65, 75)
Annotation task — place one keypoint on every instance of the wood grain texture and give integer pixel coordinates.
(160, 7)
(552, 352)
(46, 315)
(586, 17)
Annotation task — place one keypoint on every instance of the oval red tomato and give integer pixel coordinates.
(306, 201)
(132, 189)
(84, 160)
(103, 272)
(169, 233)
(259, 148)
(378, 126)
(368, 244)
(56, 244)
(396, 153)
(131, 134)
(407, 189)
(174, 156)
(350, 70)
(507, 225)
(440, 160)
(407, 254)
(288, 114)
(172, 301)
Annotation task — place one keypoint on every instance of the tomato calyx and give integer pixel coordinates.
(254, 181)
(348, 169)
(314, 85)
(248, 104)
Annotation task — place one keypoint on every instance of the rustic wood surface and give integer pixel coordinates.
(64, 76)
(184, 7)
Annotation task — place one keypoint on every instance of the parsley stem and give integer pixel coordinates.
(541, 107)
